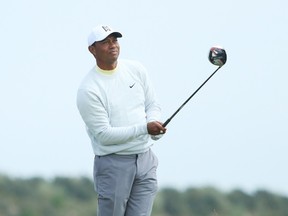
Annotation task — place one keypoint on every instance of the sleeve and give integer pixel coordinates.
(95, 116)
(152, 107)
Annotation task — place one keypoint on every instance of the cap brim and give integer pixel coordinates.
(116, 34)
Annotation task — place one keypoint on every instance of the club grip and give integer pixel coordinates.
(166, 122)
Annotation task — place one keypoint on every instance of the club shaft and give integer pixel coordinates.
(169, 119)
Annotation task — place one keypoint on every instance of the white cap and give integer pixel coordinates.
(100, 32)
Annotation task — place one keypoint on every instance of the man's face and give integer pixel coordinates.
(106, 51)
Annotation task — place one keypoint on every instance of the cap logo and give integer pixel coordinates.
(106, 28)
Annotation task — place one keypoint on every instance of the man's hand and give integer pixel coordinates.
(155, 128)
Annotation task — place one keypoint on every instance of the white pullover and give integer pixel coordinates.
(116, 106)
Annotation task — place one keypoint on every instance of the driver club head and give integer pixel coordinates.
(217, 56)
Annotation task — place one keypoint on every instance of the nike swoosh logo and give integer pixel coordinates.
(131, 86)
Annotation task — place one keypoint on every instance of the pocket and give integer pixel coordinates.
(154, 159)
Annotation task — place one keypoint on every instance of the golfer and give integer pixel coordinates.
(117, 102)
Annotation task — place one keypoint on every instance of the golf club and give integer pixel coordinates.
(217, 56)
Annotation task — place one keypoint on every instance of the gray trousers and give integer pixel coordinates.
(126, 184)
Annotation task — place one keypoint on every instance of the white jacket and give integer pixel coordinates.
(116, 106)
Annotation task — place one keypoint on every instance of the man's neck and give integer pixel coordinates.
(107, 66)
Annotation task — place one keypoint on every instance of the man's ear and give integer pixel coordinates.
(91, 49)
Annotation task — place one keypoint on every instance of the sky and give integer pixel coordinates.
(231, 135)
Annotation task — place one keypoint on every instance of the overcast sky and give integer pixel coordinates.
(232, 134)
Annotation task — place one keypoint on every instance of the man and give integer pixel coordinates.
(118, 105)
